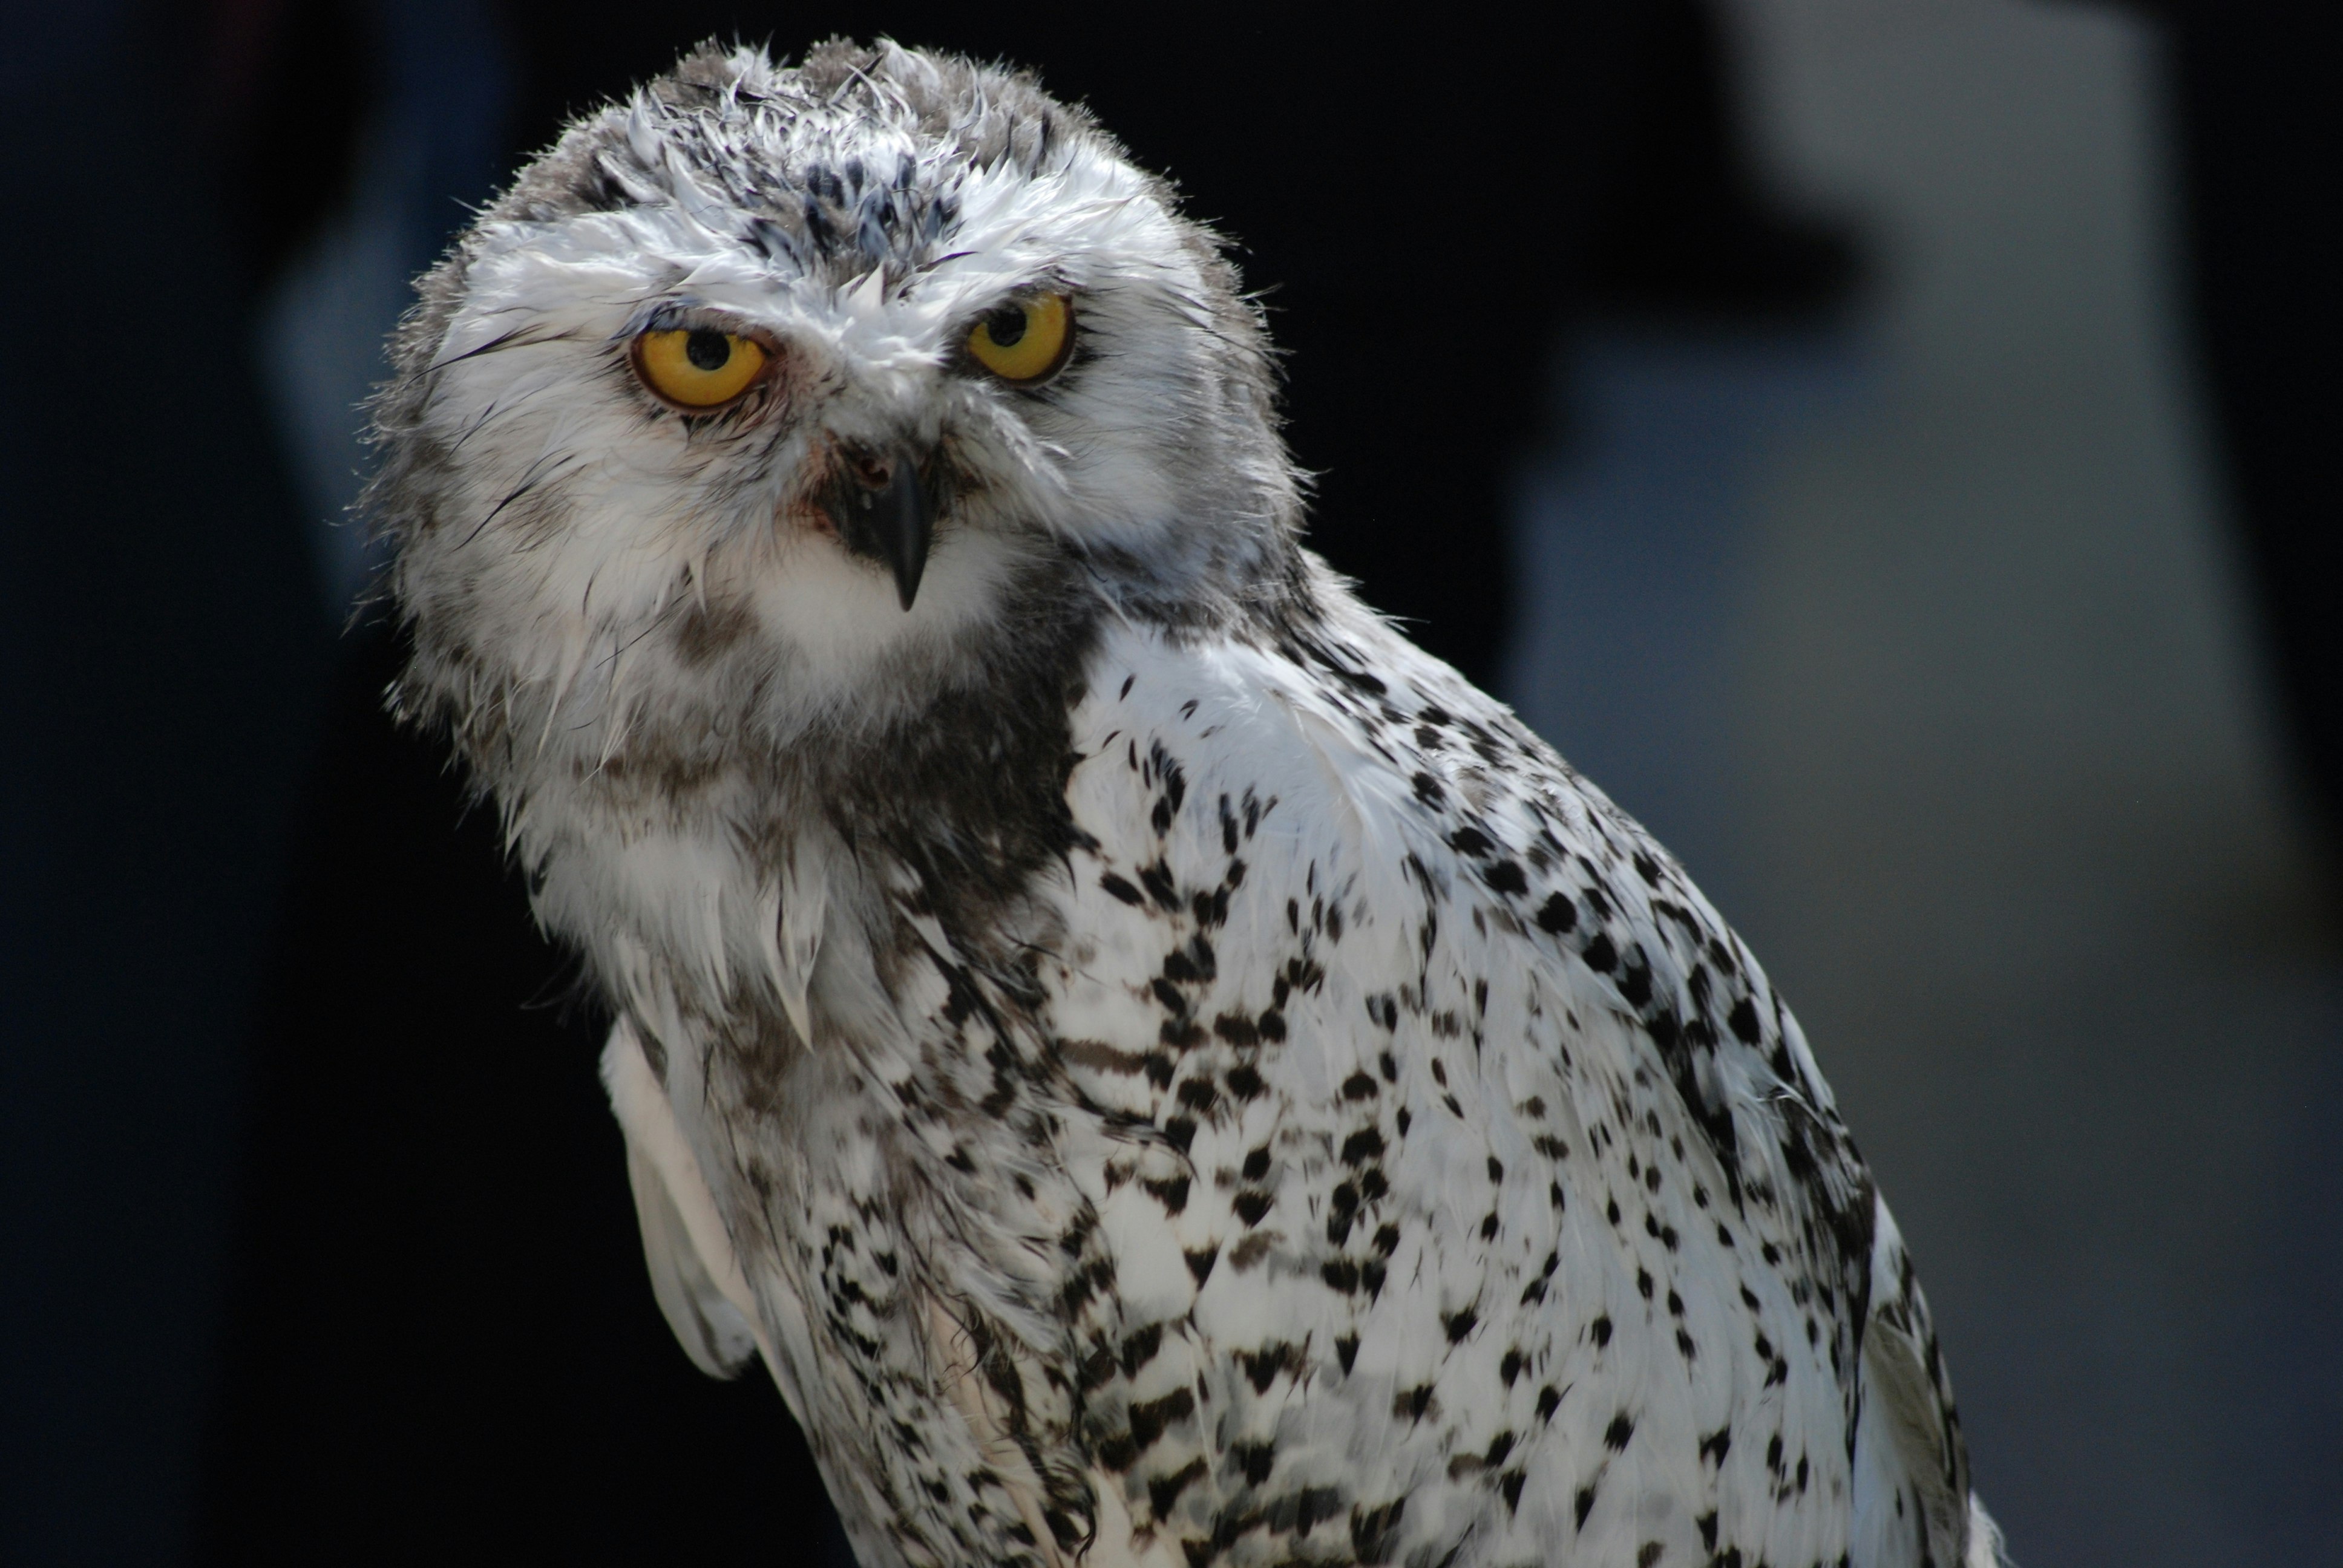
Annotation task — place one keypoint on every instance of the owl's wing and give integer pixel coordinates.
(1476, 1187)
(1914, 1502)
(694, 1275)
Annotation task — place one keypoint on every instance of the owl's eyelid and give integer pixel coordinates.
(1023, 293)
(702, 318)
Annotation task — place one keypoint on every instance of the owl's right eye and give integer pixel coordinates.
(700, 369)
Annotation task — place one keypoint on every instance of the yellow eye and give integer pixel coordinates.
(698, 369)
(1025, 339)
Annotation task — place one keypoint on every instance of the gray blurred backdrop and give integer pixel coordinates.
(1923, 641)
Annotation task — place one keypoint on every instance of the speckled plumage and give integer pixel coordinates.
(1161, 1072)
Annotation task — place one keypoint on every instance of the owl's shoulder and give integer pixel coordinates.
(1350, 809)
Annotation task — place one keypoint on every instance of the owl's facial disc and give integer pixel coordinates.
(854, 361)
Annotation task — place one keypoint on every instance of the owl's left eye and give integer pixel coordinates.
(1025, 340)
(699, 370)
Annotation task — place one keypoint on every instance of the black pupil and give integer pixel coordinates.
(708, 350)
(1006, 325)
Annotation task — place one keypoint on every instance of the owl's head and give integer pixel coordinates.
(793, 378)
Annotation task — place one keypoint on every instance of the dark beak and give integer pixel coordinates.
(884, 513)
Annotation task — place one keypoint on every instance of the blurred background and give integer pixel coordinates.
(1882, 444)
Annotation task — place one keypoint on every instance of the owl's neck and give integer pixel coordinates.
(658, 797)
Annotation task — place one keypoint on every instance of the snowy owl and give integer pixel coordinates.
(1159, 1070)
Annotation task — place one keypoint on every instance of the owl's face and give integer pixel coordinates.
(789, 378)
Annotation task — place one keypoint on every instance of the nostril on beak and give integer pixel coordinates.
(873, 472)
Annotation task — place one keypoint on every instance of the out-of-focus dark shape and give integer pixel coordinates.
(353, 135)
(1677, 225)
(2261, 129)
(286, 92)
(162, 652)
(443, 1332)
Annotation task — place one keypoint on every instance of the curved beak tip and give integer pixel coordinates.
(907, 580)
(892, 524)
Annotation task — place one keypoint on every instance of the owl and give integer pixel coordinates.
(1159, 1070)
